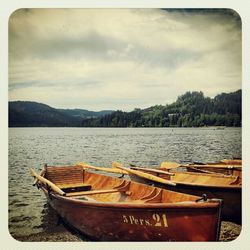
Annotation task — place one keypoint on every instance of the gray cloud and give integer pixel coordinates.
(21, 85)
(137, 54)
(96, 47)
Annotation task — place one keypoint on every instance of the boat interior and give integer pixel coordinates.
(202, 179)
(205, 179)
(78, 183)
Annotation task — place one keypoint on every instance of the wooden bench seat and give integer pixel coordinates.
(91, 192)
(73, 185)
(122, 187)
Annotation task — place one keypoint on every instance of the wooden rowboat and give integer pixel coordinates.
(226, 167)
(225, 187)
(114, 209)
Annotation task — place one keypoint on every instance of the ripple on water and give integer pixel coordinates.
(21, 204)
(32, 147)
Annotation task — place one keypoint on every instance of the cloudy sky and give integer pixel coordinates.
(121, 58)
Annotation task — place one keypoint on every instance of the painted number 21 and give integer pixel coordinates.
(160, 220)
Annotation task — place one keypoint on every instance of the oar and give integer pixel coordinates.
(169, 165)
(143, 175)
(205, 171)
(213, 166)
(45, 181)
(110, 170)
(152, 170)
(40, 174)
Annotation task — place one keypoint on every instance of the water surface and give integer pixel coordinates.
(32, 147)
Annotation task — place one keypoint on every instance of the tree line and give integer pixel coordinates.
(191, 109)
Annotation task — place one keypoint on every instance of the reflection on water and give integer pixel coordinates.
(32, 147)
(49, 219)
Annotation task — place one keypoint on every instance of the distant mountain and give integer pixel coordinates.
(83, 113)
(33, 114)
(192, 109)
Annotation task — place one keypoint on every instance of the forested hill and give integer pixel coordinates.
(189, 110)
(192, 109)
(33, 114)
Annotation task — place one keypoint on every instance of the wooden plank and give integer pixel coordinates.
(213, 166)
(66, 174)
(45, 181)
(146, 175)
(169, 165)
(111, 170)
(202, 179)
(73, 185)
(64, 180)
(41, 174)
(204, 171)
(151, 170)
(69, 175)
(103, 191)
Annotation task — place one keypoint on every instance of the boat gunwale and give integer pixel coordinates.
(223, 166)
(210, 203)
(231, 186)
(208, 185)
(205, 174)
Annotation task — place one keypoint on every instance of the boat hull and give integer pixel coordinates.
(122, 222)
(231, 196)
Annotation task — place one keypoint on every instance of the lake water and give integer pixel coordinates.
(32, 147)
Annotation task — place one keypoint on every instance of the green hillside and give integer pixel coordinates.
(192, 109)
(33, 114)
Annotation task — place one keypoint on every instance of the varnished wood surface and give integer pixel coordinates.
(46, 182)
(146, 175)
(135, 212)
(227, 188)
(110, 170)
(199, 179)
(226, 167)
